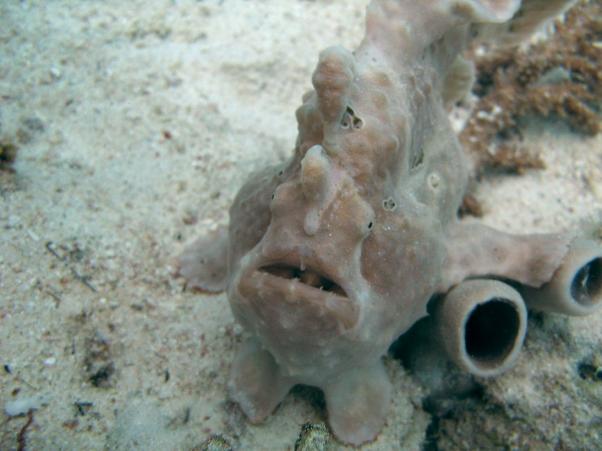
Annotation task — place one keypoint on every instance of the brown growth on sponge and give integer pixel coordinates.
(559, 77)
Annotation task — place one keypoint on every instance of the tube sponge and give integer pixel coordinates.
(576, 286)
(481, 325)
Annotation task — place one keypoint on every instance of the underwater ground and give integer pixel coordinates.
(126, 128)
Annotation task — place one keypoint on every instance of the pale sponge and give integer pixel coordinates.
(332, 256)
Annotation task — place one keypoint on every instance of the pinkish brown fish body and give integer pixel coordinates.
(333, 255)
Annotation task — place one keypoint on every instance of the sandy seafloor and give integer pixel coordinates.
(136, 123)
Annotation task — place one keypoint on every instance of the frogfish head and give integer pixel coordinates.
(340, 261)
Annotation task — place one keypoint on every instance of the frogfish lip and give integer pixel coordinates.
(287, 285)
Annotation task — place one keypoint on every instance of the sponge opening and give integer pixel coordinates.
(490, 333)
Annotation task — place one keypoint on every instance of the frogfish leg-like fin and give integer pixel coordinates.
(256, 383)
(204, 264)
(358, 402)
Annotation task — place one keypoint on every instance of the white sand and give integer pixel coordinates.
(153, 113)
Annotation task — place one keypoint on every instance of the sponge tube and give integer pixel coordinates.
(576, 286)
(481, 324)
